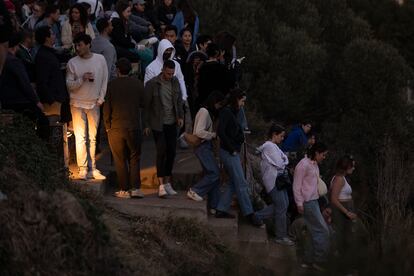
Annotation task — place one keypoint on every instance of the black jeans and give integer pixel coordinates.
(126, 149)
(166, 143)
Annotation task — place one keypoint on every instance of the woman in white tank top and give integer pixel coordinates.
(343, 213)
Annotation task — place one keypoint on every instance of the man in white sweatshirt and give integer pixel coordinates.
(86, 79)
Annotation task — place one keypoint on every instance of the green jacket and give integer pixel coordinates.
(153, 111)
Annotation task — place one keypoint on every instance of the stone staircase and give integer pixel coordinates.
(250, 242)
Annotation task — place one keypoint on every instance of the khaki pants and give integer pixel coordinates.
(85, 126)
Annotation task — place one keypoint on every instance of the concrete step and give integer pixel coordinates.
(225, 229)
(268, 255)
(153, 206)
(186, 171)
(103, 161)
(252, 234)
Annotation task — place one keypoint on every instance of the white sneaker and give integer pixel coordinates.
(194, 196)
(137, 193)
(161, 191)
(285, 241)
(182, 142)
(169, 189)
(122, 194)
(96, 174)
(83, 174)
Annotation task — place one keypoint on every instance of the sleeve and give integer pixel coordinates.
(303, 140)
(24, 81)
(143, 23)
(43, 73)
(200, 125)
(196, 30)
(274, 157)
(180, 77)
(135, 27)
(298, 182)
(224, 119)
(178, 21)
(107, 109)
(89, 31)
(141, 94)
(147, 104)
(149, 74)
(66, 35)
(180, 102)
(72, 81)
(102, 92)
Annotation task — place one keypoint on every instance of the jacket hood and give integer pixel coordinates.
(164, 45)
(260, 149)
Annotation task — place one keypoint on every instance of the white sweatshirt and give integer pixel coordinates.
(273, 163)
(86, 94)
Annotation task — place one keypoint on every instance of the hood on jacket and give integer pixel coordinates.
(259, 149)
(164, 45)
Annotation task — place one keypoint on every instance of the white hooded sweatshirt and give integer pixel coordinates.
(155, 67)
(273, 163)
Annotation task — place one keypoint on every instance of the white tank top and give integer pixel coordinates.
(346, 191)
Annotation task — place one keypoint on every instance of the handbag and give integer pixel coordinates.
(283, 181)
(192, 140)
(322, 188)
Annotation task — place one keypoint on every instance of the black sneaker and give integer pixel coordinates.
(221, 214)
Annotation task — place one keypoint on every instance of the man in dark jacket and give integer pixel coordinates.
(297, 139)
(16, 92)
(163, 114)
(24, 53)
(50, 82)
(213, 76)
(122, 118)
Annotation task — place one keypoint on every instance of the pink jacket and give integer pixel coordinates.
(305, 181)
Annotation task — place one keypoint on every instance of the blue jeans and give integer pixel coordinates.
(317, 250)
(210, 182)
(237, 184)
(277, 210)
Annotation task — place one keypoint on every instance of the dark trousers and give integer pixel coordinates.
(126, 150)
(166, 143)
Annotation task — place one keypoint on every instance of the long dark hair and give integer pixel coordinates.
(235, 95)
(343, 164)
(274, 128)
(210, 103)
(120, 6)
(317, 148)
(188, 12)
(83, 14)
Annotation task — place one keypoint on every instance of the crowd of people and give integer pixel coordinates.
(71, 61)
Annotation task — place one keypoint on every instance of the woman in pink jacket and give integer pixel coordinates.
(305, 191)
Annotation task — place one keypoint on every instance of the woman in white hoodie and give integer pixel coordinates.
(273, 164)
